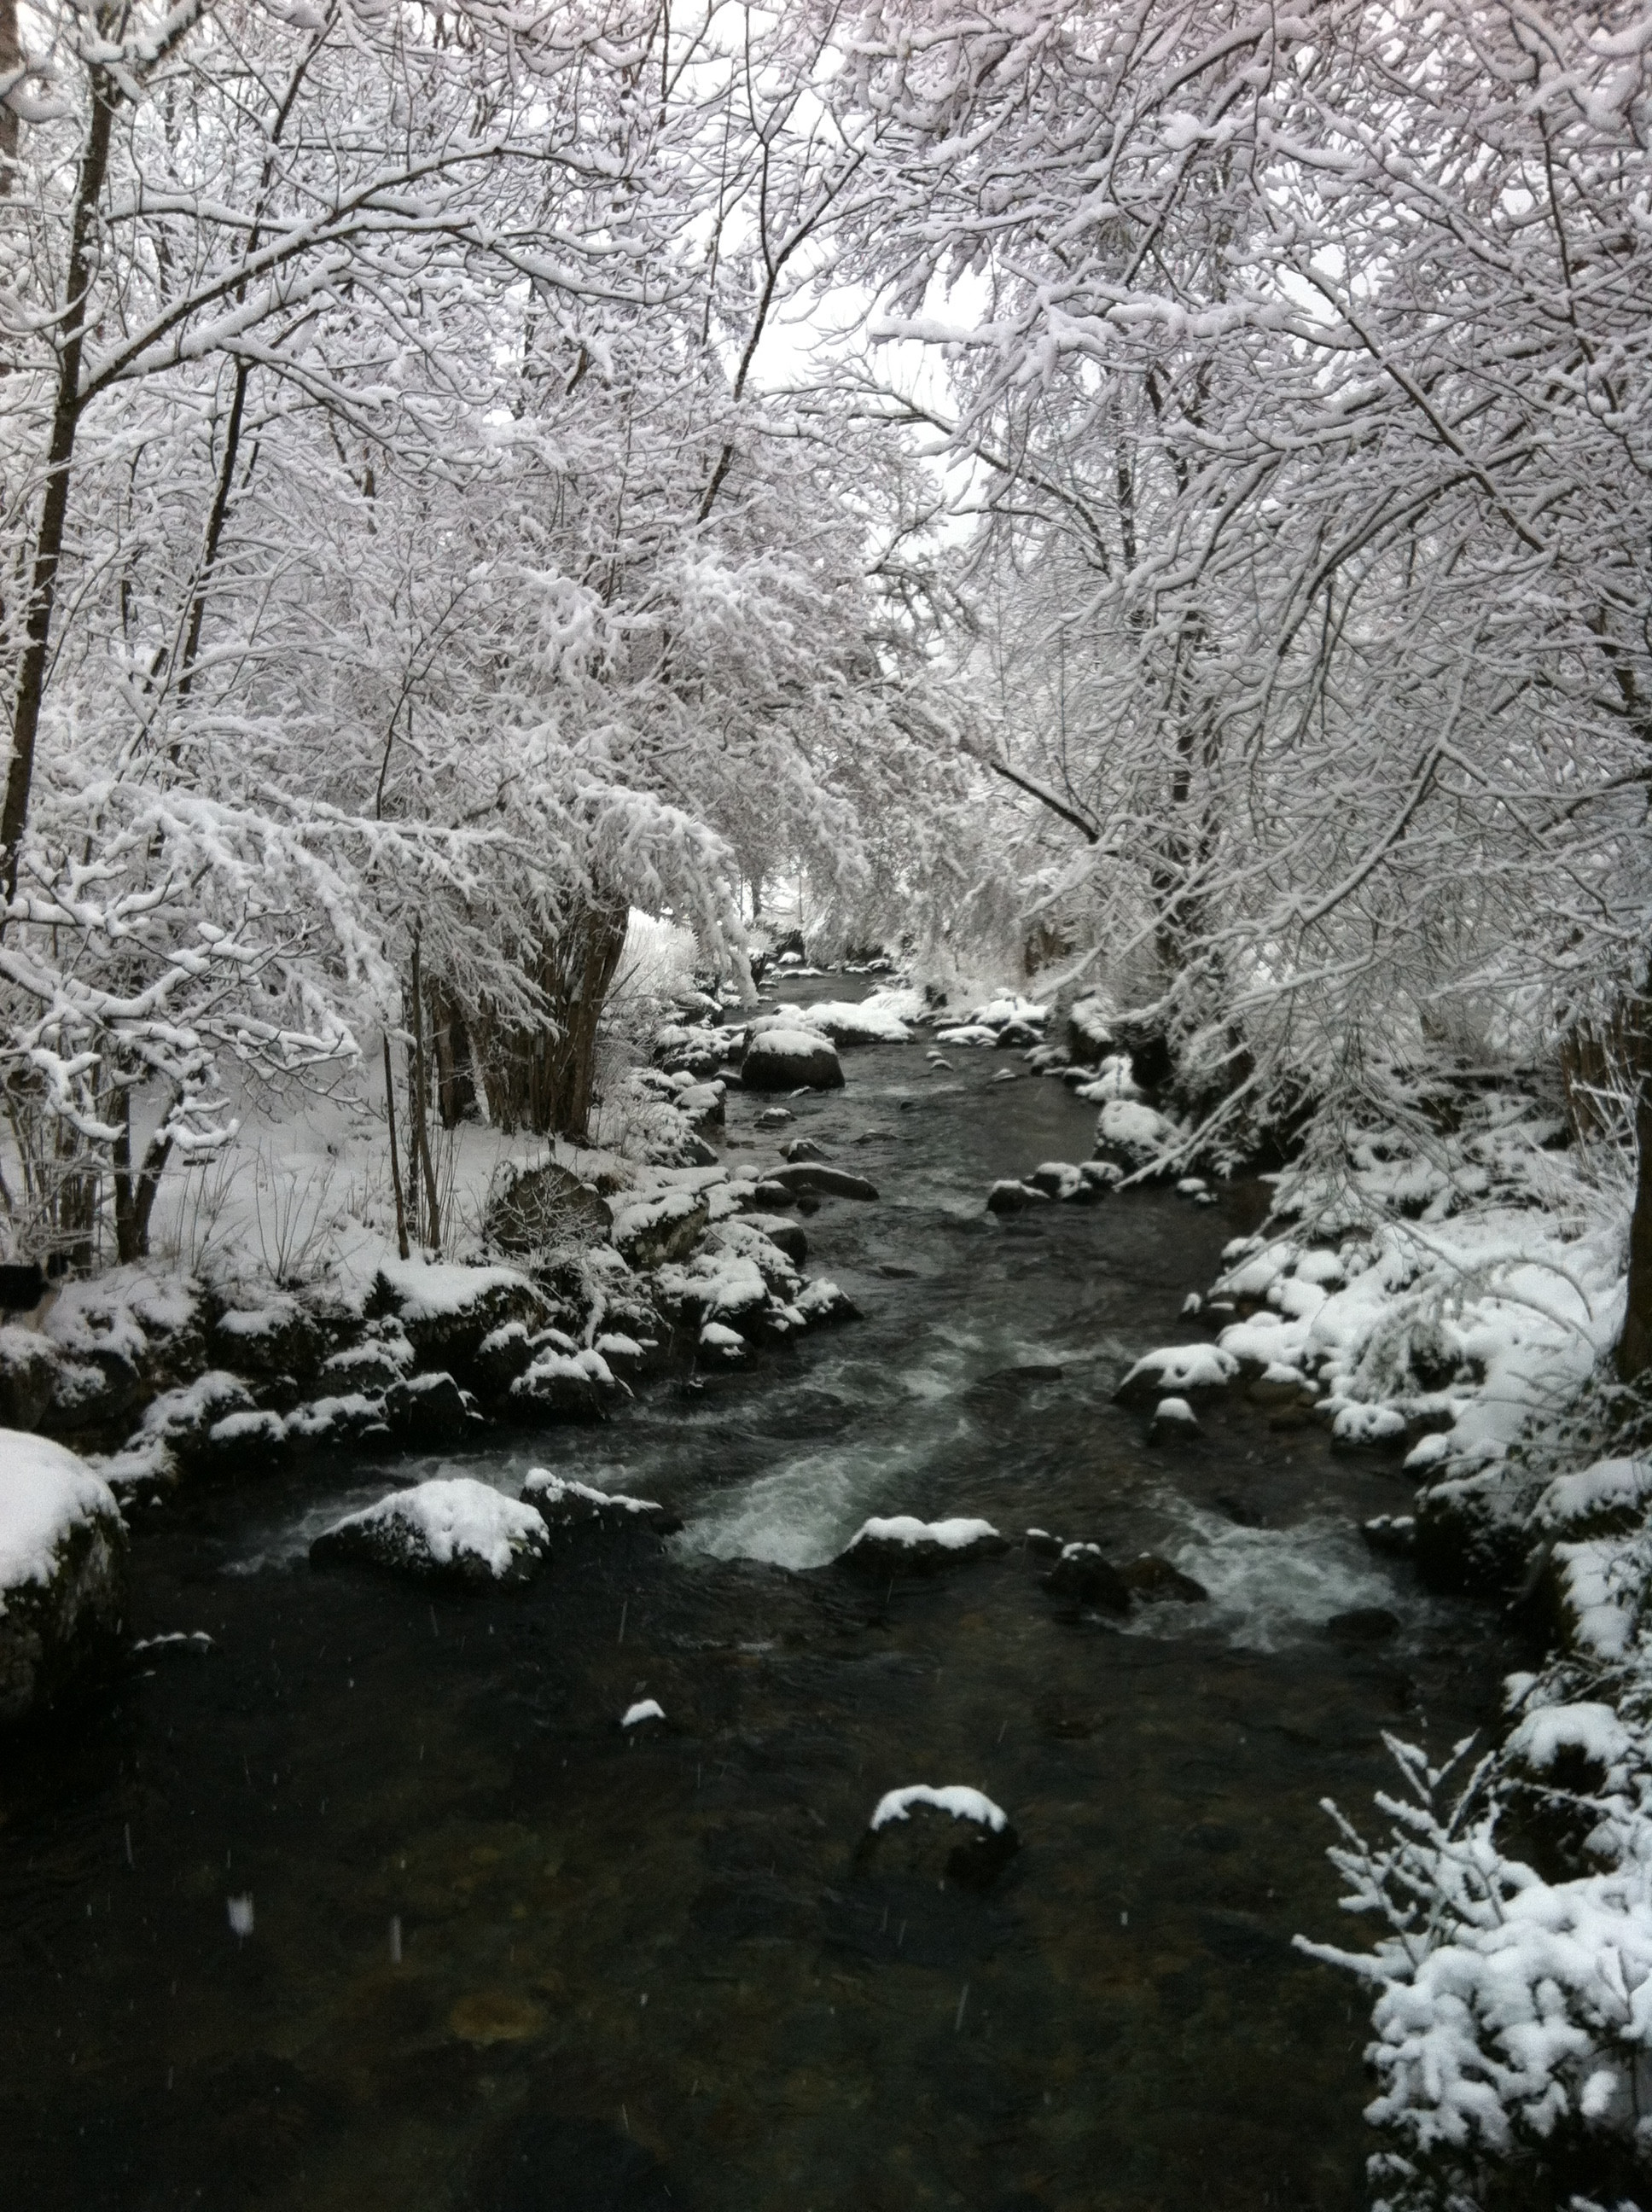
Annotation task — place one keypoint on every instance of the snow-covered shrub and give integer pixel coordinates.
(1513, 2014)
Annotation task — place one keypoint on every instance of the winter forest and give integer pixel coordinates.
(825, 929)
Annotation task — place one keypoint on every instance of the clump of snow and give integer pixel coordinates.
(47, 1492)
(956, 1534)
(645, 1709)
(956, 1798)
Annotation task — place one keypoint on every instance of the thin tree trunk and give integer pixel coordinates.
(421, 1135)
(54, 512)
(395, 1163)
(1635, 1344)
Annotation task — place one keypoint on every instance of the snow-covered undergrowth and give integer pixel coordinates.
(1458, 1301)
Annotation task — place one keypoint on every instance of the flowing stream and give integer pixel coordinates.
(375, 1908)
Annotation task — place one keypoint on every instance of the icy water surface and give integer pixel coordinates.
(503, 1957)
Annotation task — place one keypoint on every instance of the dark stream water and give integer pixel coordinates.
(652, 1973)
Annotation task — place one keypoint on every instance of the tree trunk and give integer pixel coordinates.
(54, 512)
(450, 1048)
(1634, 1345)
(541, 1079)
(135, 1197)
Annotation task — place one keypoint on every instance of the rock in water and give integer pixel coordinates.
(455, 1530)
(989, 1841)
(903, 1545)
(576, 1510)
(1172, 1417)
(62, 1556)
(1154, 1581)
(1083, 1576)
(1176, 1369)
(813, 1174)
(791, 1060)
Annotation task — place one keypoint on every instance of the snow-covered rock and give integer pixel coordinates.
(1172, 1417)
(576, 1511)
(1009, 1196)
(62, 1551)
(645, 1709)
(818, 1176)
(562, 1383)
(1083, 1575)
(1132, 1135)
(451, 1529)
(28, 1375)
(1176, 1369)
(791, 1060)
(650, 1231)
(902, 1545)
(931, 1844)
(869, 1021)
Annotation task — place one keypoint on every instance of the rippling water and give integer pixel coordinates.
(503, 1955)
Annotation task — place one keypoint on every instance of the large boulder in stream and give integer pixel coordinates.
(791, 1060)
(815, 1176)
(455, 1530)
(63, 1558)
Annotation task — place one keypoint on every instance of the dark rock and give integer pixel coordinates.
(448, 1332)
(1364, 1624)
(500, 1358)
(59, 1636)
(1011, 1197)
(791, 1060)
(1041, 1544)
(562, 1383)
(531, 1211)
(1155, 1582)
(1017, 1036)
(1473, 1533)
(652, 1232)
(1394, 1534)
(440, 1531)
(931, 1843)
(885, 1550)
(279, 1339)
(814, 1177)
(91, 1390)
(574, 1512)
(801, 1148)
(1082, 1576)
(1241, 1511)
(429, 1409)
(788, 1235)
(28, 1378)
